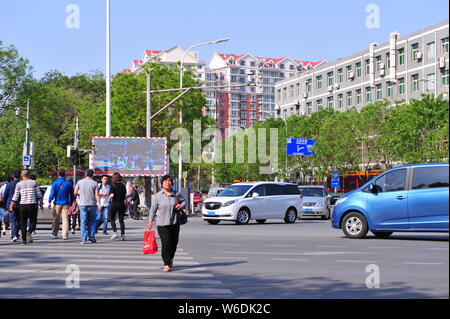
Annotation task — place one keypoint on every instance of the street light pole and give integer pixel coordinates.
(180, 165)
(108, 76)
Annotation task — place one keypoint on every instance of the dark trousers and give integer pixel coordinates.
(73, 221)
(169, 240)
(27, 212)
(119, 210)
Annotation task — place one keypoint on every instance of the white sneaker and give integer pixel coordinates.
(53, 236)
(64, 238)
(115, 236)
(14, 240)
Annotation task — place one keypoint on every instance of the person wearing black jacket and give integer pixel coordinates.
(117, 197)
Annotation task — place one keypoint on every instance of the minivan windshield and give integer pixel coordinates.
(312, 192)
(234, 191)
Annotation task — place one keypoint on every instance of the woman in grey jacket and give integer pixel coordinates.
(164, 209)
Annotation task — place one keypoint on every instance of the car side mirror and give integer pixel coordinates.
(255, 195)
(329, 196)
(374, 189)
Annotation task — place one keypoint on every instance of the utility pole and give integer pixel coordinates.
(27, 159)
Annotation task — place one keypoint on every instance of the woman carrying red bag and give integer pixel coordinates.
(164, 209)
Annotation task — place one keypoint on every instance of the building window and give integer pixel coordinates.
(378, 59)
(291, 91)
(415, 82)
(298, 89)
(252, 106)
(401, 86)
(444, 77)
(390, 89)
(349, 99)
(349, 69)
(444, 45)
(388, 60)
(368, 94)
(340, 75)
(330, 102)
(379, 92)
(319, 104)
(330, 77)
(367, 63)
(243, 124)
(414, 51)
(252, 63)
(308, 85)
(319, 82)
(243, 115)
(431, 50)
(340, 101)
(358, 69)
(284, 94)
(431, 81)
(358, 96)
(309, 108)
(279, 95)
(401, 56)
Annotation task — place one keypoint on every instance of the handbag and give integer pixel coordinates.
(73, 209)
(182, 216)
(150, 246)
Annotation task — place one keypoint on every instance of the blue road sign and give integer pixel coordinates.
(299, 146)
(26, 160)
(335, 181)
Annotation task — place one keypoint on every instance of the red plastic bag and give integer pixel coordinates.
(150, 246)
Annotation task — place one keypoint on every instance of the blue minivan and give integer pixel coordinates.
(412, 198)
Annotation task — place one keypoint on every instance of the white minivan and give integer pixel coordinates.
(258, 201)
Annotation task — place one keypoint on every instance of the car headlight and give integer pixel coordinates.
(229, 203)
(341, 200)
(319, 204)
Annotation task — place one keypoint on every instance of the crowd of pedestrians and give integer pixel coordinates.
(90, 204)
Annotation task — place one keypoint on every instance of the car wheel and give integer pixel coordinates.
(291, 216)
(327, 216)
(261, 221)
(213, 222)
(243, 216)
(354, 225)
(382, 234)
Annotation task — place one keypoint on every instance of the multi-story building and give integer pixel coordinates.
(402, 68)
(171, 57)
(241, 107)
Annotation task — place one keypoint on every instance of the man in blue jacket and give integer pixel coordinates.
(62, 193)
(7, 199)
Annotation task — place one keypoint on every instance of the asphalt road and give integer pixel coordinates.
(307, 259)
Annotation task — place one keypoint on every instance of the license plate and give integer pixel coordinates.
(307, 210)
(211, 214)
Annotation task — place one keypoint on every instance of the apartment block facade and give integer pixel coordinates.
(170, 58)
(236, 108)
(401, 68)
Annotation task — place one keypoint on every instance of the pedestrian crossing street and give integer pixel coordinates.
(109, 268)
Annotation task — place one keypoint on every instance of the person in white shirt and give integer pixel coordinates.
(104, 190)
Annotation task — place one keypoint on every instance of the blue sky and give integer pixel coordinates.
(303, 30)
